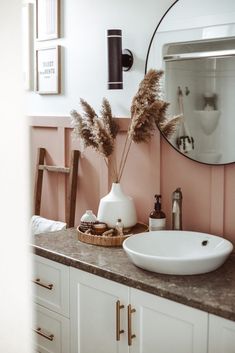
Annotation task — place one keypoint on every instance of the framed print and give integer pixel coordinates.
(48, 70)
(47, 19)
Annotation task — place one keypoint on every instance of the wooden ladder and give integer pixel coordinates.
(73, 174)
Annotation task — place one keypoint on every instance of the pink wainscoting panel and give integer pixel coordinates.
(217, 201)
(208, 193)
(47, 138)
(140, 178)
(141, 175)
(88, 190)
(194, 180)
(229, 220)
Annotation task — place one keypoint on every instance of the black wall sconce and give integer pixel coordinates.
(118, 60)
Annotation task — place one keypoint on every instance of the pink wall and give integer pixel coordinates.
(140, 178)
(208, 191)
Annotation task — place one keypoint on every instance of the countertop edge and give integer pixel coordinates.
(116, 277)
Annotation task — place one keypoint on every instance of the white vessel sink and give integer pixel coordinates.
(177, 252)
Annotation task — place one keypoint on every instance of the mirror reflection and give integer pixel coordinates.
(197, 53)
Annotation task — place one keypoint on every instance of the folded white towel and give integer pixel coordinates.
(42, 225)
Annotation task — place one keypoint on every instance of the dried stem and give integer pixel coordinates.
(122, 157)
(124, 162)
(115, 167)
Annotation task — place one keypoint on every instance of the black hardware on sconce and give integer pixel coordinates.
(118, 60)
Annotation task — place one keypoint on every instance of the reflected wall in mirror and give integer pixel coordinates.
(195, 46)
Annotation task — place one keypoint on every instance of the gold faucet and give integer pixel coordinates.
(177, 209)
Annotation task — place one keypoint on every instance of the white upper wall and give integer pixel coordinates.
(84, 53)
(199, 13)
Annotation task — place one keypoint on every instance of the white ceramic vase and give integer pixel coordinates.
(116, 205)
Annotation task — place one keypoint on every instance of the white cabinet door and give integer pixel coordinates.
(93, 303)
(163, 326)
(221, 335)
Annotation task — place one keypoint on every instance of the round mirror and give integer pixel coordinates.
(194, 44)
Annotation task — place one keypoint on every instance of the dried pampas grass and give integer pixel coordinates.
(168, 128)
(148, 111)
(93, 131)
(96, 132)
(108, 120)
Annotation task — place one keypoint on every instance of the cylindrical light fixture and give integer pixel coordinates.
(117, 61)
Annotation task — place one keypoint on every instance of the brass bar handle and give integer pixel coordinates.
(39, 283)
(118, 330)
(43, 334)
(129, 323)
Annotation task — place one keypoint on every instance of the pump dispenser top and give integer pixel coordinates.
(157, 218)
(157, 205)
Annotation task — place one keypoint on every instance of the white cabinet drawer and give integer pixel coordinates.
(51, 285)
(51, 331)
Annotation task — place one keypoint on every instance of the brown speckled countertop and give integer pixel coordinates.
(213, 292)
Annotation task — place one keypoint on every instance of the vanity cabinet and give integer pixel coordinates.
(51, 323)
(78, 312)
(107, 317)
(221, 335)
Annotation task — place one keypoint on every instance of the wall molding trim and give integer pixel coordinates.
(65, 122)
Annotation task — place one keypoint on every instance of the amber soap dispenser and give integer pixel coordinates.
(157, 218)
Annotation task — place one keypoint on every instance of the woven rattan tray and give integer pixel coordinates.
(112, 240)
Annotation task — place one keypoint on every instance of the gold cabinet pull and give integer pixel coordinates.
(43, 334)
(39, 283)
(129, 323)
(118, 330)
